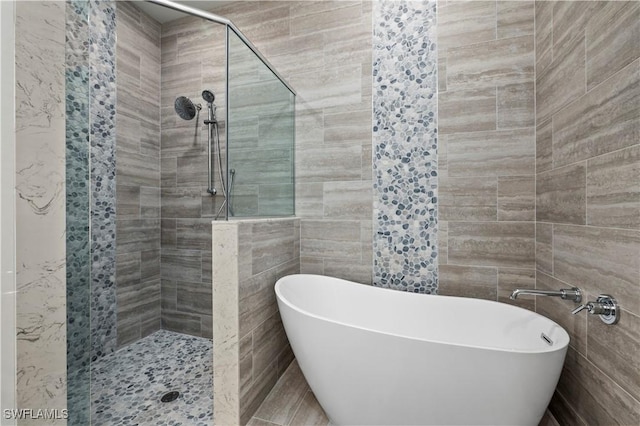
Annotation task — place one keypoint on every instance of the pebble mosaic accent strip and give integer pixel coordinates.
(405, 140)
(102, 84)
(129, 383)
(77, 211)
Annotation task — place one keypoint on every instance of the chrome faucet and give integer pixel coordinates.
(573, 293)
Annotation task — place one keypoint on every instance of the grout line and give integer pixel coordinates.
(299, 405)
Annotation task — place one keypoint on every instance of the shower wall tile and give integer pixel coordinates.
(190, 63)
(544, 247)
(609, 349)
(511, 279)
(468, 281)
(324, 50)
(467, 199)
(558, 309)
(497, 62)
(562, 82)
(502, 244)
(613, 189)
(517, 198)
(487, 147)
(251, 348)
(466, 110)
(515, 18)
(516, 106)
(612, 40)
(603, 120)
(462, 23)
(588, 165)
(561, 195)
(137, 52)
(609, 401)
(499, 153)
(40, 207)
(600, 260)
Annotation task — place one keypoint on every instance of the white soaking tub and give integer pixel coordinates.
(374, 356)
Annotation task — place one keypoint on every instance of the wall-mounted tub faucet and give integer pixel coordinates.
(605, 306)
(573, 293)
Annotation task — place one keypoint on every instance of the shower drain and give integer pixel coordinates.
(170, 396)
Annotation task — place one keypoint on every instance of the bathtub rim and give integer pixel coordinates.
(555, 348)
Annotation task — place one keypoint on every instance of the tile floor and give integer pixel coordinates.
(127, 385)
(291, 402)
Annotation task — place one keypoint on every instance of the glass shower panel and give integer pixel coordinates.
(260, 128)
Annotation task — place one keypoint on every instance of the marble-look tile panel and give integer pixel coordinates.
(604, 120)
(613, 189)
(561, 195)
(40, 205)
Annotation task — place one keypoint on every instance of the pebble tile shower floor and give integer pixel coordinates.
(127, 385)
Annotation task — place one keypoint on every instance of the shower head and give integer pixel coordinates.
(185, 108)
(208, 96)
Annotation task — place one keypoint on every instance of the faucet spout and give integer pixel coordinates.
(573, 293)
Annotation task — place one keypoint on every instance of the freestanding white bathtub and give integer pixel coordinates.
(374, 356)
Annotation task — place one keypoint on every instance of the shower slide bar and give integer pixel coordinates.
(224, 21)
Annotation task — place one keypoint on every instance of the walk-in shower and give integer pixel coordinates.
(171, 123)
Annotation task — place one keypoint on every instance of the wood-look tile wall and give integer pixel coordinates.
(251, 350)
(137, 174)
(324, 50)
(193, 60)
(487, 148)
(588, 198)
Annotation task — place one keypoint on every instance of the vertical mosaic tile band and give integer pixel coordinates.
(405, 145)
(102, 84)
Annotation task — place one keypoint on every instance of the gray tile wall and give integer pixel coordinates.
(324, 50)
(137, 173)
(192, 61)
(588, 198)
(487, 148)
(251, 350)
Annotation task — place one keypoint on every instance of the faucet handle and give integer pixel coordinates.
(581, 308)
(605, 306)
